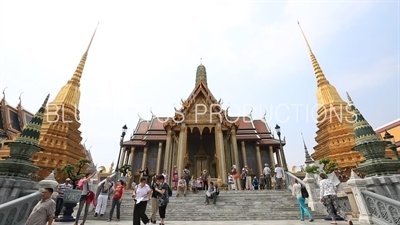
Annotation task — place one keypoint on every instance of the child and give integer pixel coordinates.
(255, 183)
(231, 185)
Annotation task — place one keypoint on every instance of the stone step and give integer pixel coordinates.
(231, 205)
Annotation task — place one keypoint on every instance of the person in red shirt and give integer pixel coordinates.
(117, 199)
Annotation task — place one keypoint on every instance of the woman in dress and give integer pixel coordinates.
(328, 197)
(162, 197)
(116, 200)
(141, 196)
(296, 193)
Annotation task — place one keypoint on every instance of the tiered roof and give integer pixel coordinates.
(13, 119)
(248, 129)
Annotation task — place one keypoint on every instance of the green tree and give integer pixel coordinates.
(328, 165)
(75, 172)
(327, 168)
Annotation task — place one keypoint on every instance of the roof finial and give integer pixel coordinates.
(20, 100)
(4, 92)
(321, 79)
(152, 114)
(201, 61)
(140, 118)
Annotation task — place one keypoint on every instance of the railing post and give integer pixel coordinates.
(313, 201)
(357, 186)
(354, 209)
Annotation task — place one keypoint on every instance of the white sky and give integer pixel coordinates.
(144, 55)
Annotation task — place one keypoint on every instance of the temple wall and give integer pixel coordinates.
(251, 157)
(265, 156)
(137, 161)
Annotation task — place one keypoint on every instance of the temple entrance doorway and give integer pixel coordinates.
(201, 148)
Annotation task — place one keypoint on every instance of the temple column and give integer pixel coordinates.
(244, 154)
(259, 163)
(271, 155)
(127, 156)
(159, 155)
(181, 148)
(235, 148)
(131, 156)
(131, 164)
(167, 161)
(219, 144)
(121, 162)
(228, 156)
(144, 161)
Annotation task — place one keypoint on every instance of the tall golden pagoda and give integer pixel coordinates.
(60, 136)
(335, 135)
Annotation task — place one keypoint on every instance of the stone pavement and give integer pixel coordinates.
(258, 222)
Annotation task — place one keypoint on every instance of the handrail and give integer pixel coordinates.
(382, 209)
(292, 177)
(17, 211)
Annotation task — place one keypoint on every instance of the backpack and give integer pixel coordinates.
(304, 192)
(216, 191)
(169, 191)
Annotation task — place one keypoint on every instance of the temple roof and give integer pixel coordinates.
(249, 130)
(13, 119)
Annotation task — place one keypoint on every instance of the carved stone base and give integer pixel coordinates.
(67, 215)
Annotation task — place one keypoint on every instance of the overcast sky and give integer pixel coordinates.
(144, 55)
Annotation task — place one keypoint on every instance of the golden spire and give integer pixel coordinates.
(321, 79)
(70, 93)
(78, 72)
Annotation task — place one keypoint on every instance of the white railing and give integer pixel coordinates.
(383, 210)
(16, 212)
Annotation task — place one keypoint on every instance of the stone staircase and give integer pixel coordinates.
(230, 206)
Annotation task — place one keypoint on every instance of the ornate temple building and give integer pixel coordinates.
(335, 135)
(201, 135)
(60, 137)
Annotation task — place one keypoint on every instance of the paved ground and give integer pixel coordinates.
(260, 222)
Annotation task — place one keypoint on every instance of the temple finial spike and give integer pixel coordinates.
(305, 38)
(201, 61)
(90, 43)
(304, 143)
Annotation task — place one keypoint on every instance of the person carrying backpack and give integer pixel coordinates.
(297, 193)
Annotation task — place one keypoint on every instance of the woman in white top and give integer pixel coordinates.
(329, 198)
(141, 195)
(296, 192)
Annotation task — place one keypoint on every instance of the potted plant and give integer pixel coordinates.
(124, 170)
(72, 196)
